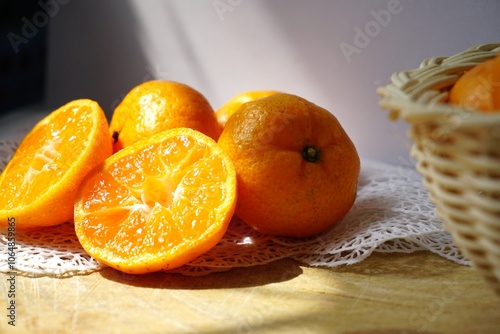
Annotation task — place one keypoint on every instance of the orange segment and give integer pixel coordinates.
(157, 204)
(40, 182)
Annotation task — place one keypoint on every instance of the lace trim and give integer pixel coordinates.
(392, 213)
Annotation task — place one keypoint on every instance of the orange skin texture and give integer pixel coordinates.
(40, 183)
(496, 83)
(279, 192)
(224, 112)
(157, 105)
(479, 88)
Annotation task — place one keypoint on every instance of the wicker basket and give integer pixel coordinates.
(457, 152)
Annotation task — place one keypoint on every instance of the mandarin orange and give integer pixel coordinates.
(158, 105)
(495, 83)
(297, 168)
(228, 108)
(479, 88)
(157, 204)
(473, 89)
(40, 182)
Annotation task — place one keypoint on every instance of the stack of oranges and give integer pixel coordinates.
(159, 185)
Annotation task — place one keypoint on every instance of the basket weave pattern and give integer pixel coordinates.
(457, 152)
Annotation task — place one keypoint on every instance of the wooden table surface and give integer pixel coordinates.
(386, 293)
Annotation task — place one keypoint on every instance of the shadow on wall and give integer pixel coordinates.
(95, 53)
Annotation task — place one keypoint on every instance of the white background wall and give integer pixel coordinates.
(101, 49)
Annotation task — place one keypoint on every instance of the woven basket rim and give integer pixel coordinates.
(420, 94)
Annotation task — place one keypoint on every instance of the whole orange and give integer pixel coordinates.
(157, 105)
(479, 87)
(297, 169)
(228, 108)
(473, 89)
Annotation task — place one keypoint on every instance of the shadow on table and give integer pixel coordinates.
(274, 272)
(390, 331)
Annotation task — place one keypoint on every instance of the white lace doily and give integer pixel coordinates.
(392, 213)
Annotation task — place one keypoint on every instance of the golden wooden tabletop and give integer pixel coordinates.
(386, 293)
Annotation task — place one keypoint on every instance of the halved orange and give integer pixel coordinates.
(157, 204)
(40, 182)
